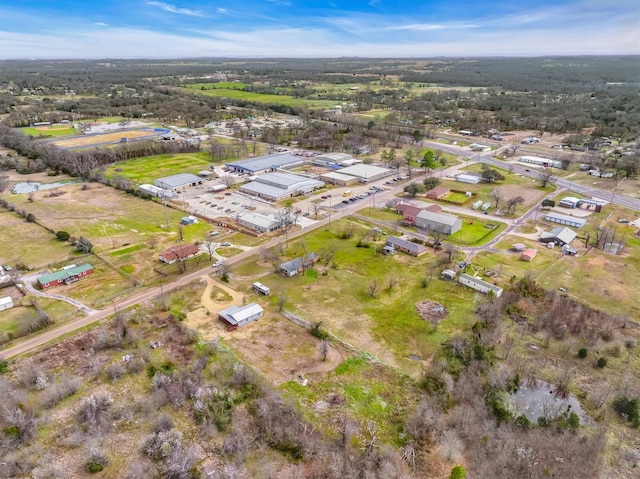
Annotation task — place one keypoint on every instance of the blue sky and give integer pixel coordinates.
(315, 28)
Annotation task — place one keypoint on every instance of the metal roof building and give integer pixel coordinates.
(275, 186)
(237, 316)
(265, 163)
(178, 181)
(336, 178)
(560, 235)
(565, 219)
(448, 224)
(366, 173)
(259, 222)
(479, 284)
(414, 249)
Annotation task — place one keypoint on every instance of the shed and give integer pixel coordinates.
(528, 254)
(6, 303)
(448, 275)
(188, 220)
(237, 316)
(409, 247)
(477, 205)
(518, 247)
(472, 179)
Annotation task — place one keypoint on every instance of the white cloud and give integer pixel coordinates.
(100, 24)
(221, 10)
(173, 9)
(427, 27)
(280, 3)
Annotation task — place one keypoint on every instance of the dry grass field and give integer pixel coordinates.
(113, 137)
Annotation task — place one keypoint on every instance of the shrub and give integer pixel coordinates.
(318, 332)
(458, 472)
(31, 218)
(63, 236)
(161, 444)
(4, 366)
(96, 463)
(602, 362)
(424, 282)
(628, 410)
(583, 353)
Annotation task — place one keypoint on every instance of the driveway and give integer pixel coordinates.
(80, 306)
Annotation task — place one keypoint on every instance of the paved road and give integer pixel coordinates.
(521, 169)
(151, 293)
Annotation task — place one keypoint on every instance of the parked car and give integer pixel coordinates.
(226, 243)
(216, 264)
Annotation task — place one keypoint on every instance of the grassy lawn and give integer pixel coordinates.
(601, 280)
(57, 130)
(227, 85)
(244, 240)
(508, 263)
(388, 326)
(147, 169)
(11, 319)
(248, 96)
(474, 233)
(36, 248)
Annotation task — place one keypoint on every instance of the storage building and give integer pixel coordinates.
(266, 163)
(538, 161)
(447, 224)
(565, 220)
(177, 182)
(366, 173)
(479, 284)
(238, 316)
(276, 186)
(6, 303)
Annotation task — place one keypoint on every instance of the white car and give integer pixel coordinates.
(216, 264)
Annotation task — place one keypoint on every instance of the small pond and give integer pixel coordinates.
(25, 187)
(540, 401)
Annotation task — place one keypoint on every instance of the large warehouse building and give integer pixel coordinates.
(177, 182)
(266, 163)
(336, 178)
(275, 186)
(366, 173)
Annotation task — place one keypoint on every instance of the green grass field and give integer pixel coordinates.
(36, 247)
(145, 170)
(474, 233)
(58, 130)
(389, 323)
(224, 85)
(266, 98)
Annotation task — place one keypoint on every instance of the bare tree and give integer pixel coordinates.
(282, 300)
(545, 177)
(513, 202)
(373, 288)
(392, 281)
(496, 197)
(316, 207)
(209, 246)
(227, 180)
(323, 348)
(328, 253)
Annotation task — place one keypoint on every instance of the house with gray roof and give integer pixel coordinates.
(297, 265)
(409, 247)
(479, 284)
(560, 236)
(430, 221)
(259, 222)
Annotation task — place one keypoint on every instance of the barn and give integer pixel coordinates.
(238, 316)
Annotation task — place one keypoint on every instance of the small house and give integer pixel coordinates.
(472, 179)
(238, 316)
(67, 275)
(518, 247)
(438, 192)
(6, 303)
(528, 254)
(297, 265)
(479, 284)
(179, 252)
(410, 211)
(569, 202)
(409, 247)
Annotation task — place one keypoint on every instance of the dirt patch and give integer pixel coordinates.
(531, 195)
(431, 311)
(114, 137)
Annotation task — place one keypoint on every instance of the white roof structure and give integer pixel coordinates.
(565, 219)
(442, 218)
(266, 222)
(561, 233)
(237, 314)
(278, 185)
(176, 181)
(334, 175)
(366, 172)
(266, 162)
(6, 300)
(334, 157)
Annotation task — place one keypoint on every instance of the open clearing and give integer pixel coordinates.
(145, 170)
(268, 98)
(108, 138)
(389, 326)
(51, 130)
